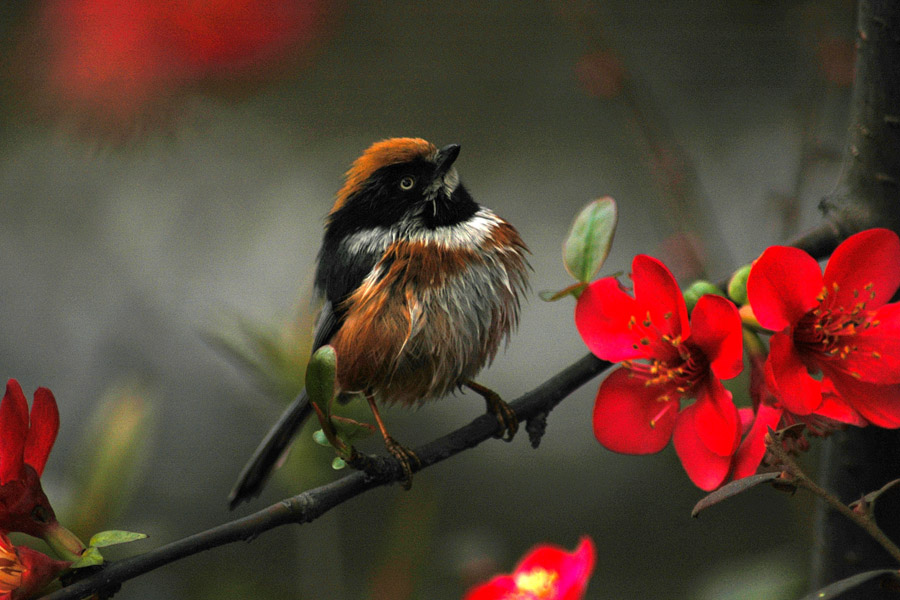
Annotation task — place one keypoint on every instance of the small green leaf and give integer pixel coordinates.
(113, 537)
(91, 557)
(573, 290)
(737, 285)
(320, 438)
(338, 463)
(320, 375)
(590, 238)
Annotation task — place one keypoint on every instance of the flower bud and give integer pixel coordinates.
(697, 290)
(737, 285)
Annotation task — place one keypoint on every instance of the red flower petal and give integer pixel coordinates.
(572, 569)
(792, 383)
(546, 572)
(13, 430)
(783, 286)
(658, 294)
(865, 267)
(717, 332)
(878, 404)
(875, 355)
(628, 416)
(602, 315)
(716, 420)
(751, 451)
(44, 427)
(38, 570)
(705, 468)
(834, 407)
(747, 417)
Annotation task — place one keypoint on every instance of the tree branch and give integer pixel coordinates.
(310, 505)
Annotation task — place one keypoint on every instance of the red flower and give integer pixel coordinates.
(25, 444)
(546, 573)
(24, 449)
(24, 571)
(665, 359)
(769, 413)
(833, 330)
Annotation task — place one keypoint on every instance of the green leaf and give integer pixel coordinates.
(113, 537)
(320, 438)
(275, 355)
(590, 238)
(320, 376)
(338, 463)
(837, 588)
(732, 489)
(91, 557)
(572, 290)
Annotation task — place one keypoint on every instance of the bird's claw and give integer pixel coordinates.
(506, 416)
(405, 457)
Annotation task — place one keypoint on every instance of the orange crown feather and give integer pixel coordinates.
(381, 154)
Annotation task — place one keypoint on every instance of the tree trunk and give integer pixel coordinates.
(858, 461)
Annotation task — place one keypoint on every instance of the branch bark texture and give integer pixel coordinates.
(869, 192)
(310, 505)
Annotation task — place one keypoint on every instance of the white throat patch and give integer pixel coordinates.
(469, 233)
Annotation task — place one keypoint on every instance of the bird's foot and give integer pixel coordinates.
(506, 416)
(405, 457)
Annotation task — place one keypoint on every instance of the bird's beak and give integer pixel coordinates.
(445, 158)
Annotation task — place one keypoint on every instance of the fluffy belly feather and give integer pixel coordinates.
(428, 318)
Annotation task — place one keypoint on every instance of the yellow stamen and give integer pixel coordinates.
(538, 582)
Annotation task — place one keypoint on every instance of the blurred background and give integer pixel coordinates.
(165, 168)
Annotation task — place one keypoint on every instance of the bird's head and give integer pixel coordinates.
(405, 182)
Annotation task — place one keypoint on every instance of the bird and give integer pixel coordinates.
(420, 287)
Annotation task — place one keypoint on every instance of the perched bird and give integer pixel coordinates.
(420, 287)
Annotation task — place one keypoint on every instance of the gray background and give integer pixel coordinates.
(115, 259)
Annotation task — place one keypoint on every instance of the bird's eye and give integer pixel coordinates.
(407, 182)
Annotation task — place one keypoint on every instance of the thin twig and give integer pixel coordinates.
(800, 479)
(310, 505)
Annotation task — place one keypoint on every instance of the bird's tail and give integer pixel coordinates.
(264, 460)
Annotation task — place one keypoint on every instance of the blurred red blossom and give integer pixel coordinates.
(114, 63)
(837, 60)
(685, 255)
(666, 359)
(833, 331)
(546, 573)
(24, 571)
(600, 74)
(25, 444)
